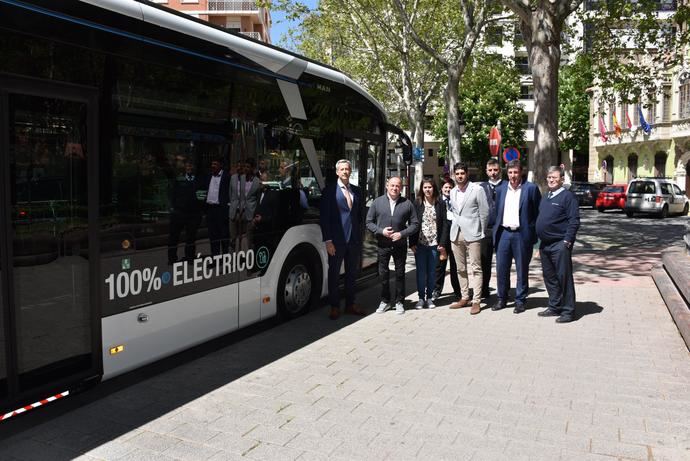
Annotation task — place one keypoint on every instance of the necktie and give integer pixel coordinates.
(550, 194)
(347, 197)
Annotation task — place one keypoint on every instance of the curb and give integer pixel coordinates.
(675, 303)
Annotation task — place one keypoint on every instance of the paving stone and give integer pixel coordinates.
(265, 451)
(153, 442)
(306, 442)
(618, 449)
(190, 451)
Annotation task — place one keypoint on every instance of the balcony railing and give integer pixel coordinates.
(231, 5)
(661, 5)
(254, 35)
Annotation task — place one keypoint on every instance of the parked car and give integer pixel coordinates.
(587, 192)
(612, 197)
(657, 196)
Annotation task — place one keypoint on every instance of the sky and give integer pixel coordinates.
(280, 26)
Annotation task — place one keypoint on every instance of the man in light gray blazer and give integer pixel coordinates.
(470, 216)
(245, 190)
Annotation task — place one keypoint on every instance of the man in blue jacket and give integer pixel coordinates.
(341, 217)
(517, 206)
(557, 224)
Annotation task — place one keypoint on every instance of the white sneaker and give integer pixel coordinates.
(383, 307)
(399, 309)
(430, 304)
(420, 304)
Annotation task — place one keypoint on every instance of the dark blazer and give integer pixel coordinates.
(267, 208)
(329, 216)
(442, 224)
(223, 191)
(530, 198)
(489, 190)
(183, 195)
(403, 220)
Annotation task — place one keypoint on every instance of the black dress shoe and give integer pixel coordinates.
(519, 309)
(548, 313)
(564, 319)
(498, 306)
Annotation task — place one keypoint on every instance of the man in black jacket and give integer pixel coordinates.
(185, 213)
(557, 224)
(392, 219)
(218, 186)
(493, 172)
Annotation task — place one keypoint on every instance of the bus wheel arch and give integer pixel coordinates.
(299, 283)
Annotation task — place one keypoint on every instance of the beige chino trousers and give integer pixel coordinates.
(472, 251)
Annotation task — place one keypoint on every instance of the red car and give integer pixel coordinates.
(612, 198)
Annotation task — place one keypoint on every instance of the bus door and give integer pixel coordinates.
(49, 327)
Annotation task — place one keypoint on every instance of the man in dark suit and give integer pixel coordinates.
(185, 213)
(341, 217)
(557, 225)
(263, 225)
(493, 173)
(217, 197)
(517, 207)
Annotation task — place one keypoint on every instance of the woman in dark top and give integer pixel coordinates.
(446, 186)
(429, 241)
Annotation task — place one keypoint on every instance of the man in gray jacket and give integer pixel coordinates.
(470, 216)
(392, 219)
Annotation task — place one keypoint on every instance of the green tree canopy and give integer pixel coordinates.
(489, 91)
(573, 104)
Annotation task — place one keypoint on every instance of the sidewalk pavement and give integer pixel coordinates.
(430, 384)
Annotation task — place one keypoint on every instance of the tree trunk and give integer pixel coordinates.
(543, 40)
(418, 136)
(450, 96)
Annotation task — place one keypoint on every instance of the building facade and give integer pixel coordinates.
(650, 138)
(241, 16)
(664, 151)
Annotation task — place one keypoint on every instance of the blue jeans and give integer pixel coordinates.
(426, 258)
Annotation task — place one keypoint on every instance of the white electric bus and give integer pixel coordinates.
(108, 110)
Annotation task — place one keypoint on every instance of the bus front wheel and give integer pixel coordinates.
(299, 284)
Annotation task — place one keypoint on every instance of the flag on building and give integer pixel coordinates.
(643, 123)
(602, 129)
(616, 125)
(627, 119)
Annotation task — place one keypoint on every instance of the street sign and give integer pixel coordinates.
(494, 141)
(511, 153)
(418, 154)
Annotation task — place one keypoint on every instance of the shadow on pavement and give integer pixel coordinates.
(586, 308)
(117, 406)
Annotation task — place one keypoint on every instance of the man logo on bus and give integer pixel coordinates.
(262, 257)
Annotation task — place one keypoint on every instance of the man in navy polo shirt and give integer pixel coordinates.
(557, 224)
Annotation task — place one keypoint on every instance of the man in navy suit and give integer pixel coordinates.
(341, 225)
(517, 207)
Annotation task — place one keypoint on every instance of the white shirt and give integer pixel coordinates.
(511, 209)
(213, 189)
(392, 203)
(457, 197)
